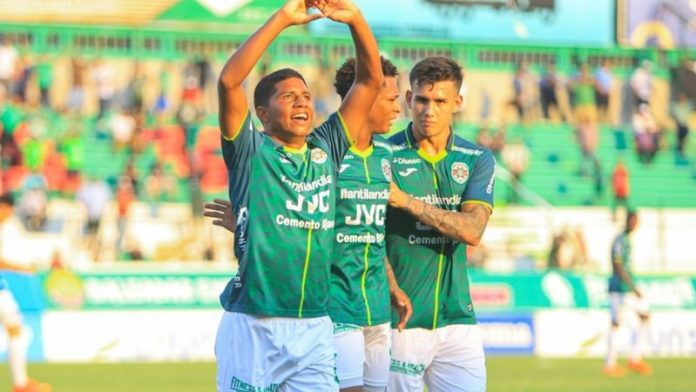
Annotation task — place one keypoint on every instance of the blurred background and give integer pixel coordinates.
(110, 145)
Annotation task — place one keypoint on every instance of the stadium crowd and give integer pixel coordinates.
(161, 128)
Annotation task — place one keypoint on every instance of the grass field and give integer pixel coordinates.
(504, 374)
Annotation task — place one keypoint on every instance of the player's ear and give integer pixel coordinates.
(458, 103)
(262, 114)
(409, 95)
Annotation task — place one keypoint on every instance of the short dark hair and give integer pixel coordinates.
(266, 86)
(345, 74)
(7, 199)
(436, 69)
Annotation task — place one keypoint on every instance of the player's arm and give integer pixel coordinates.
(623, 275)
(399, 300)
(233, 102)
(466, 225)
(368, 73)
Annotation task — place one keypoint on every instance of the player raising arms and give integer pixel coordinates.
(275, 332)
(360, 292)
(359, 289)
(446, 183)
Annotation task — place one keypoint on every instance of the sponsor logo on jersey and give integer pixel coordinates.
(318, 156)
(406, 161)
(407, 172)
(489, 188)
(460, 172)
(322, 181)
(386, 169)
(343, 167)
(467, 151)
(283, 159)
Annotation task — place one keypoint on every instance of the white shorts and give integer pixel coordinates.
(447, 359)
(9, 310)
(274, 354)
(623, 305)
(362, 356)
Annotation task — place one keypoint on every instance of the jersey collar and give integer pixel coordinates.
(411, 143)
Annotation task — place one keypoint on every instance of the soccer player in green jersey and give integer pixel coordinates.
(626, 300)
(359, 288)
(275, 332)
(442, 204)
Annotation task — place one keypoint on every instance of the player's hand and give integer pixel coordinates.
(397, 197)
(223, 213)
(295, 11)
(341, 11)
(402, 304)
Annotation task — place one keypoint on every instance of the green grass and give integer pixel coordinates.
(504, 374)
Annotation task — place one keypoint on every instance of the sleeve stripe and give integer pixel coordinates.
(239, 129)
(345, 129)
(483, 203)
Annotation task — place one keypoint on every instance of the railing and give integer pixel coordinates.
(150, 43)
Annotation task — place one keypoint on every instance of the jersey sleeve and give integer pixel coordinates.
(481, 181)
(242, 146)
(333, 134)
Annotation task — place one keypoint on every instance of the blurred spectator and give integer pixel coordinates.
(588, 139)
(95, 195)
(125, 195)
(523, 85)
(548, 88)
(516, 158)
(583, 90)
(159, 187)
(130, 174)
(604, 84)
(73, 148)
(683, 79)
(76, 96)
(104, 82)
(9, 64)
(621, 186)
(33, 153)
(34, 201)
(492, 136)
(11, 116)
(647, 134)
(642, 83)
(132, 96)
(44, 74)
(26, 71)
(162, 103)
(568, 249)
(681, 111)
(122, 126)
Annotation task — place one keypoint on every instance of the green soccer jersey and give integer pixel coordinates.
(621, 250)
(431, 267)
(359, 293)
(284, 201)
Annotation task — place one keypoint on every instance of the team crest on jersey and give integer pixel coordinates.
(386, 169)
(460, 172)
(318, 156)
